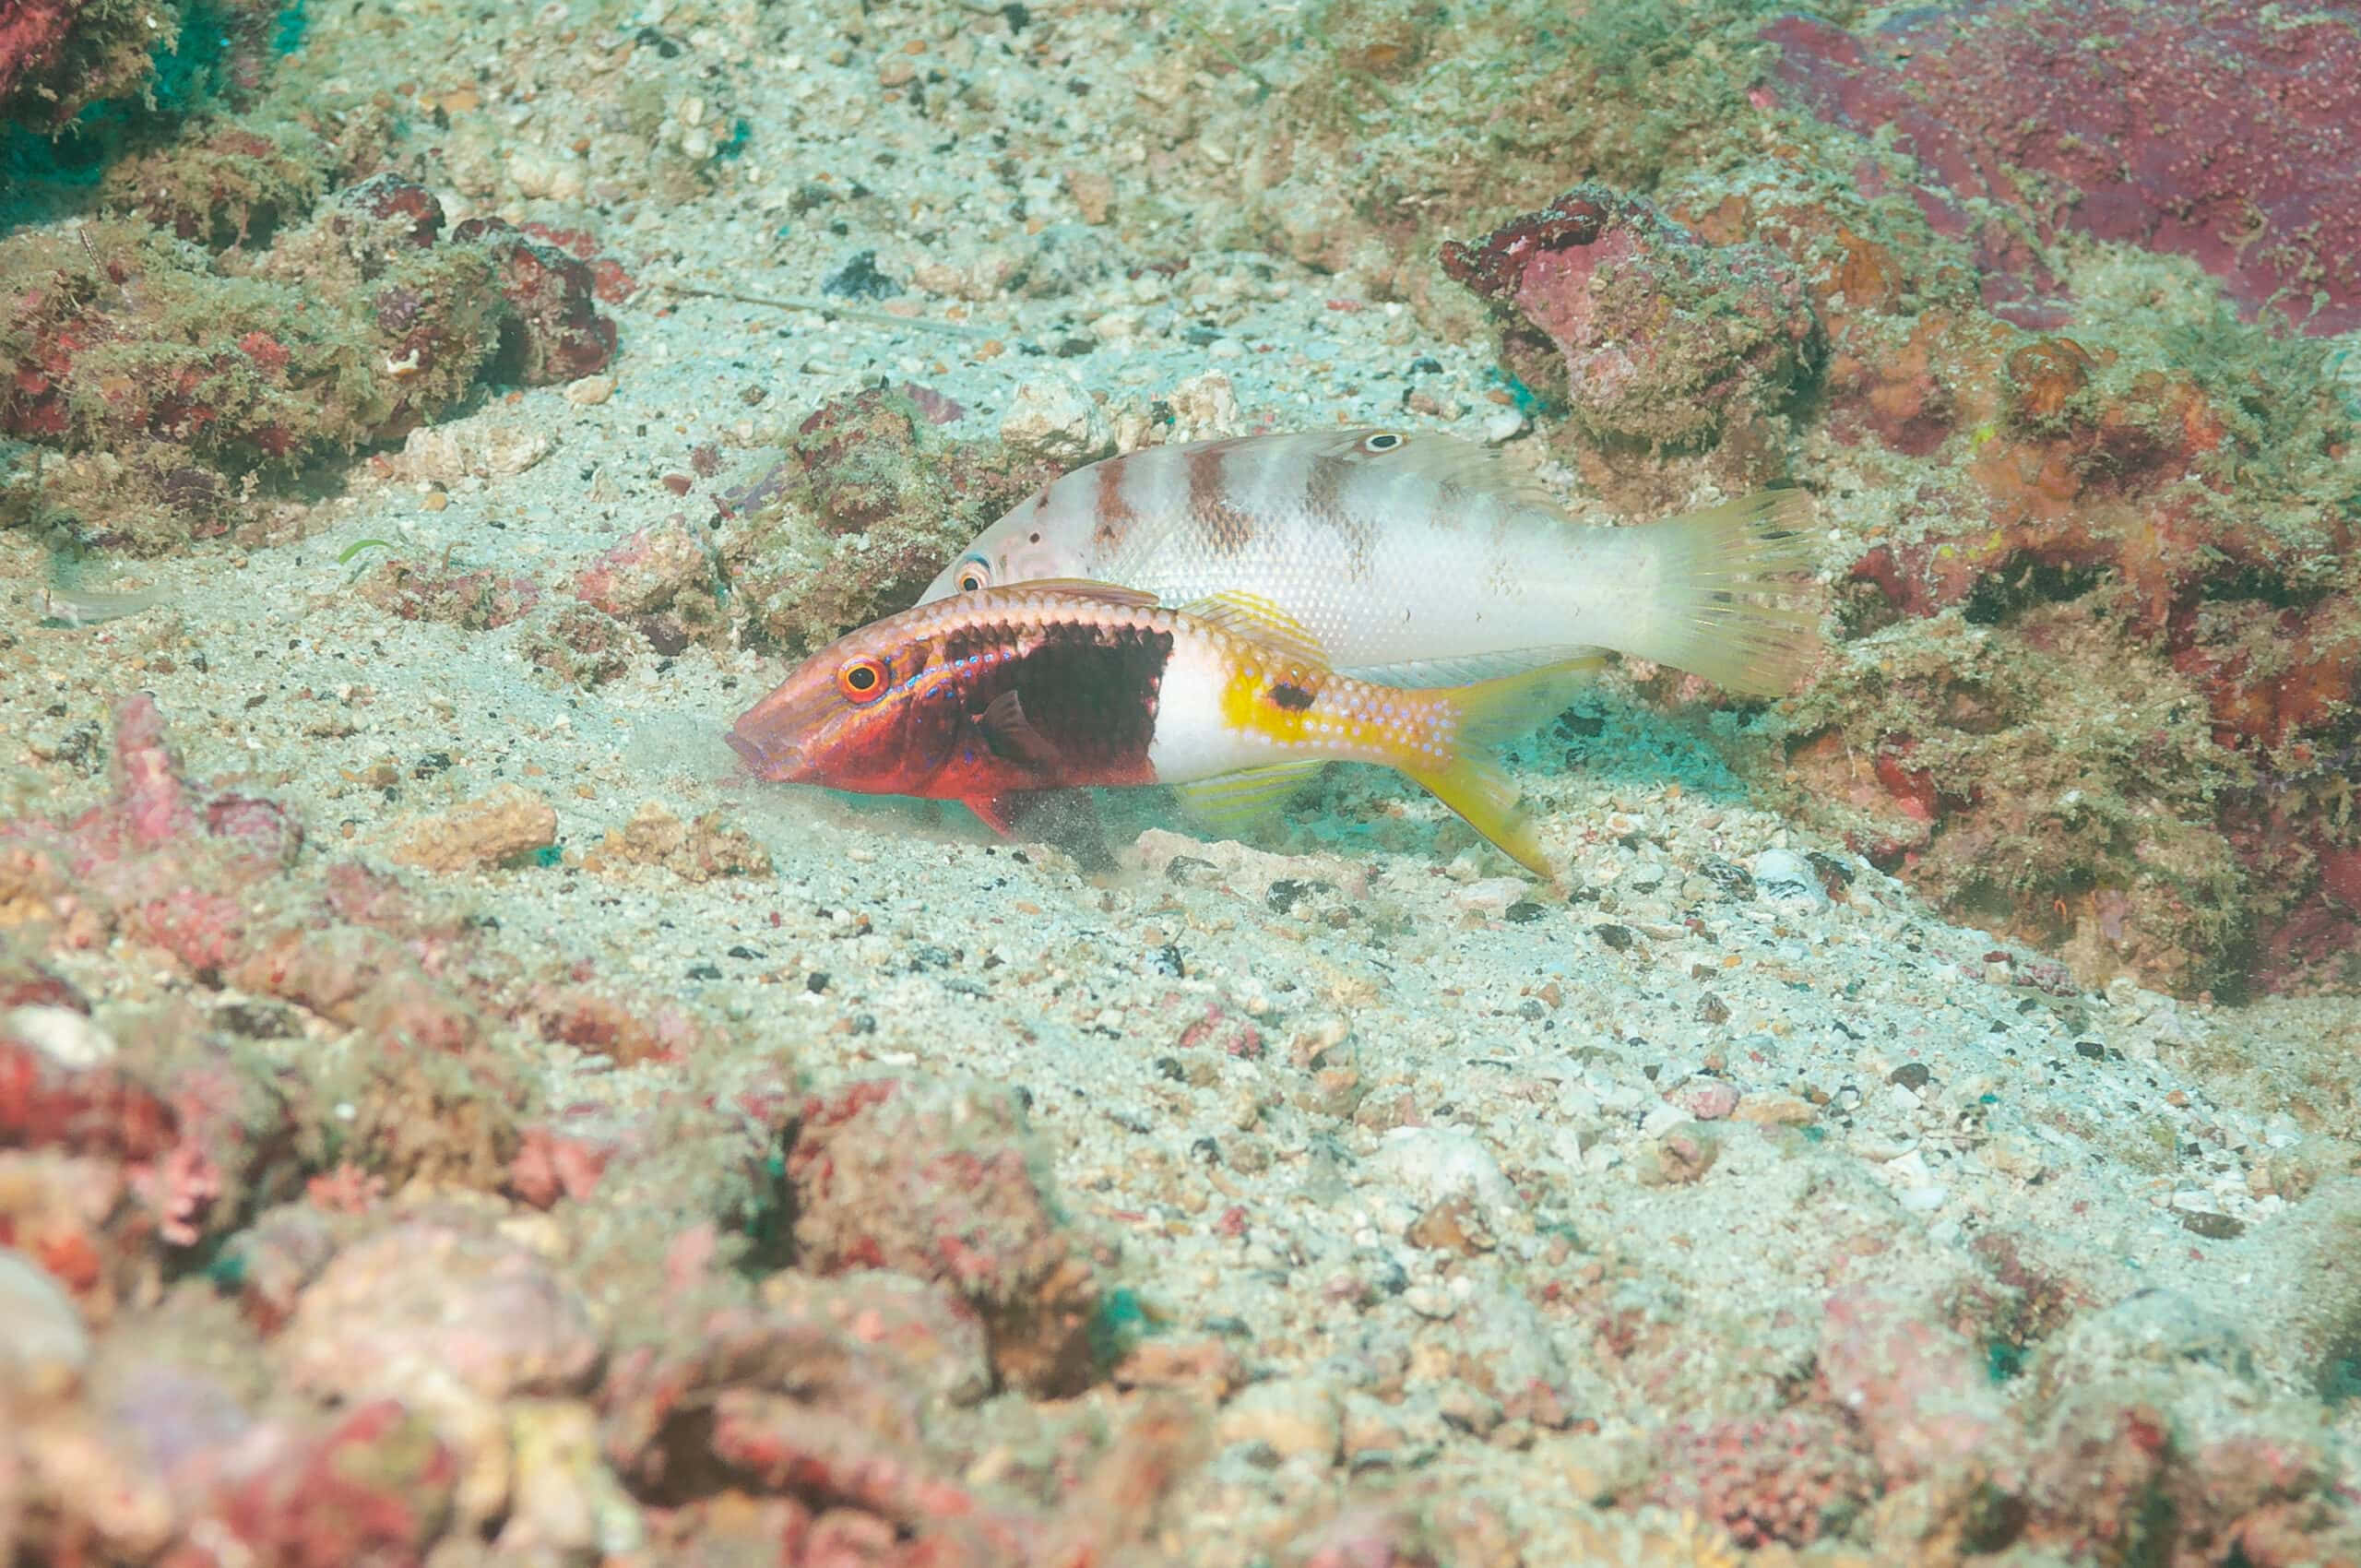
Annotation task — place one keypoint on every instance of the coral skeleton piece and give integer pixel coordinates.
(2215, 129)
(1646, 334)
(866, 506)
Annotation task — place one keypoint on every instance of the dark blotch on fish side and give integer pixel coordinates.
(1292, 697)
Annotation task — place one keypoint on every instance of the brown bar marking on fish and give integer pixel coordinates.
(1113, 516)
(1089, 688)
(1228, 528)
(1323, 501)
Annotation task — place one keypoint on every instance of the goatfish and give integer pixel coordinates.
(1057, 684)
(1415, 559)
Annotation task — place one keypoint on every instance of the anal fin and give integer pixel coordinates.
(1233, 801)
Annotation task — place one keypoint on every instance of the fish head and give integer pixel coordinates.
(1038, 538)
(862, 714)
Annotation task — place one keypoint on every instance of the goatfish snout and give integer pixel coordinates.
(1061, 684)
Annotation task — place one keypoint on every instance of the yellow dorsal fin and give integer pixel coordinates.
(1253, 618)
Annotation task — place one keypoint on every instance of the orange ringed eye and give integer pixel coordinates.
(971, 581)
(862, 680)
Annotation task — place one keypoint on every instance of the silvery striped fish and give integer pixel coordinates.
(1415, 559)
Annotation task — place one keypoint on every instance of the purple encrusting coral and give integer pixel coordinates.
(2221, 130)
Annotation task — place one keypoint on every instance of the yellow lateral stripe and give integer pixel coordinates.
(1408, 736)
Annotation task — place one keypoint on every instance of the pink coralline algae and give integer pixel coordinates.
(2216, 130)
(1787, 1478)
(1649, 335)
(934, 1180)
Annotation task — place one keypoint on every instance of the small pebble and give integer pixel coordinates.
(1430, 1301)
(61, 1034)
(1296, 1416)
(1506, 425)
(1922, 1200)
(1055, 419)
(1711, 1101)
(1788, 877)
(590, 391)
(1727, 875)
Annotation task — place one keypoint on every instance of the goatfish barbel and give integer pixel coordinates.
(1058, 684)
(1415, 559)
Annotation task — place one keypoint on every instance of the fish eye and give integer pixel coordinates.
(973, 576)
(1382, 440)
(862, 680)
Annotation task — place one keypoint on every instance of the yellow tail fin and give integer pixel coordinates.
(1490, 712)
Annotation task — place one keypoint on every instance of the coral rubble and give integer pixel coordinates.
(173, 381)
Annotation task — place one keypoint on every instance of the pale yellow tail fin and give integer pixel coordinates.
(1731, 602)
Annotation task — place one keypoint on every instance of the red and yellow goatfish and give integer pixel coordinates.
(1058, 684)
(1415, 559)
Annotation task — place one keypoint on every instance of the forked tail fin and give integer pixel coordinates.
(1730, 601)
(1470, 782)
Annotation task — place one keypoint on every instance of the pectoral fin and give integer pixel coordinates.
(1012, 737)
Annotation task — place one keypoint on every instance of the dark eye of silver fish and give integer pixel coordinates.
(1382, 440)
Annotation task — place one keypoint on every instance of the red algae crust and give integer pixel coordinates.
(2218, 130)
